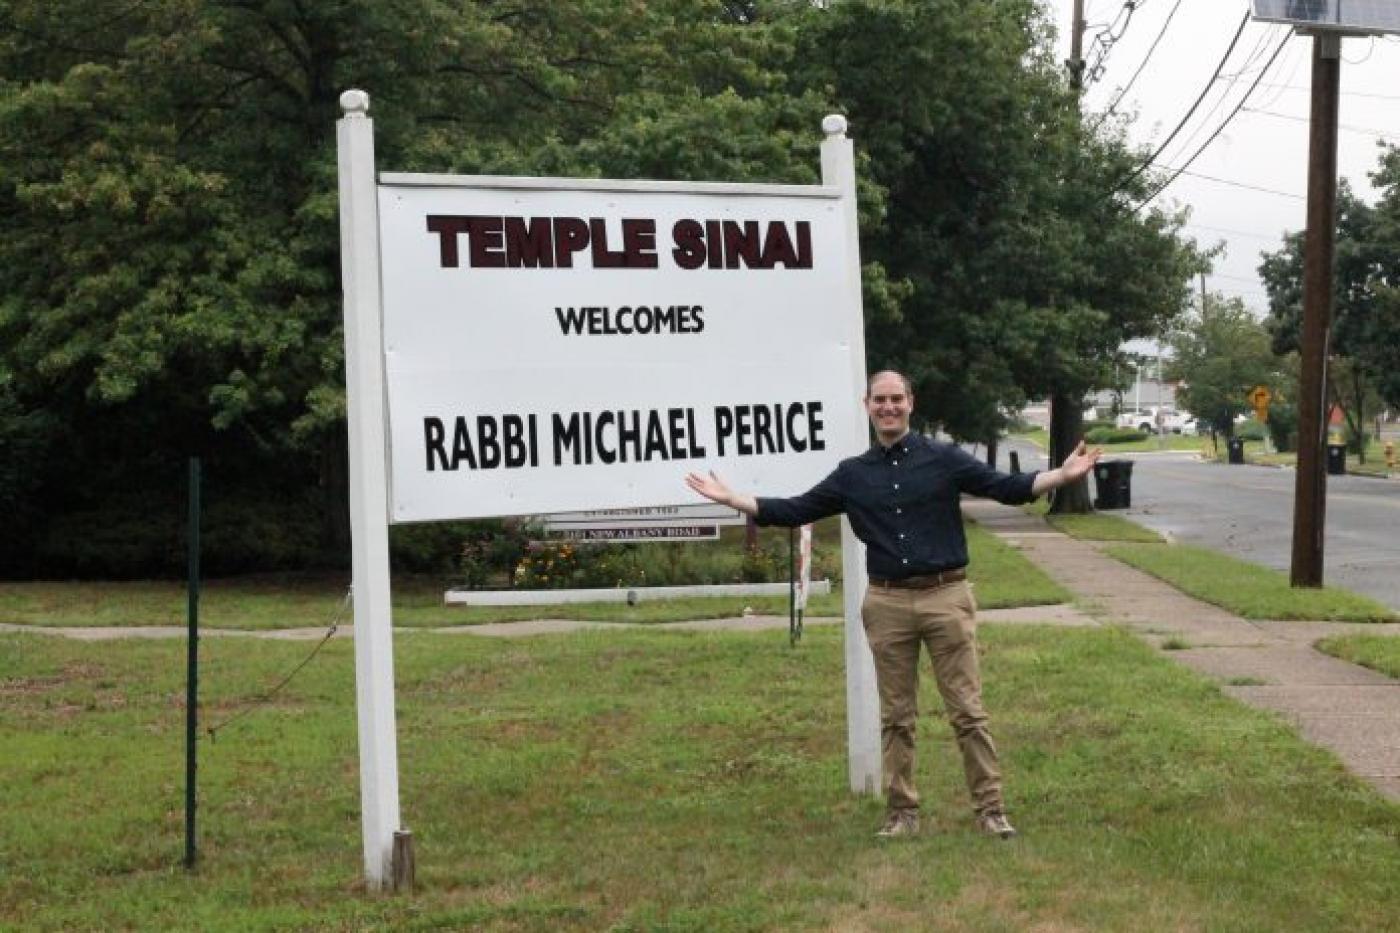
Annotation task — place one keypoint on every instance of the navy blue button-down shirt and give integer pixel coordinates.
(903, 502)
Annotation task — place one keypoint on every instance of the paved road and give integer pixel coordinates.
(1247, 511)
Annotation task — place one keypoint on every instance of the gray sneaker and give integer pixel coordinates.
(995, 823)
(899, 823)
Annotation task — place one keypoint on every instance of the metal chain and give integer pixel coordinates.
(269, 694)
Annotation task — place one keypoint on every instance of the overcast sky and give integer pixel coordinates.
(1265, 145)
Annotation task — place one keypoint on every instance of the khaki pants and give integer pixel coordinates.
(942, 619)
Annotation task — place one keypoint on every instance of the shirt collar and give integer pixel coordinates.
(900, 446)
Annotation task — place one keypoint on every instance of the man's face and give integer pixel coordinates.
(889, 406)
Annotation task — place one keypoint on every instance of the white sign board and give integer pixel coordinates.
(560, 345)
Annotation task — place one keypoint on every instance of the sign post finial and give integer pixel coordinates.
(354, 103)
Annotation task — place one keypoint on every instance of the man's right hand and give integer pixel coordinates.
(713, 488)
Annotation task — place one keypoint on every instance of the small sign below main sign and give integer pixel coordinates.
(701, 513)
(583, 534)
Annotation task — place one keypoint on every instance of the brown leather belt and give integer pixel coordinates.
(924, 581)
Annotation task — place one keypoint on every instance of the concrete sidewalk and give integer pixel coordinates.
(1350, 710)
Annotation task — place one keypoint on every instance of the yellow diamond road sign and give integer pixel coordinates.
(1259, 400)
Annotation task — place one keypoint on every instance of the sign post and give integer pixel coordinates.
(369, 511)
(862, 699)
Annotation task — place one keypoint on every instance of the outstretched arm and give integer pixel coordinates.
(713, 488)
(1076, 465)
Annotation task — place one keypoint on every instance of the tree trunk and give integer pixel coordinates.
(1066, 420)
(1358, 427)
(992, 453)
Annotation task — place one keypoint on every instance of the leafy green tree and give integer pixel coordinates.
(1364, 330)
(169, 269)
(1382, 353)
(1024, 275)
(1219, 354)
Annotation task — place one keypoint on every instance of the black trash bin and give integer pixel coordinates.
(1236, 449)
(1114, 480)
(1015, 459)
(1336, 459)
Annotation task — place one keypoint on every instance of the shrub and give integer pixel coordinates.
(489, 551)
(1113, 435)
(1283, 426)
(1250, 430)
(480, 550)
(565, 564)
(144, 534)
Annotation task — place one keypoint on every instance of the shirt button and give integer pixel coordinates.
(896, 463)
(905, 561)
(901, 536)
(896, 485)
(899, 511)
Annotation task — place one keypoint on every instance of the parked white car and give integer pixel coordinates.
(1153, 420)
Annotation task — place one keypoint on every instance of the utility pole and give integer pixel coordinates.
(1310, 481)
(1076, 48)
(1065, 417)
(1061, 427)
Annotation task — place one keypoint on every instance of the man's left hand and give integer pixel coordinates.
(1079, 462)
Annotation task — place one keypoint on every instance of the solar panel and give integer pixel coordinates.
(1342, 15)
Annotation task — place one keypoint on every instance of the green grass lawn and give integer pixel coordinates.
(667, 781)
(1244, 588)
(1094, 526)
(1172, 442)
(1003, 578)
(1380, 653)
(1040, 438)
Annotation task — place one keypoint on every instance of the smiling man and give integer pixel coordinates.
(902, 497)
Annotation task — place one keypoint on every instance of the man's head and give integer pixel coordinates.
(889, 400)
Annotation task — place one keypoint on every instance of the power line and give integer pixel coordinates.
(1369, 50)
(1296, 60)
(1239, 184)
(1205, 121)
(1107, 37)
(1218, 68)
(1297, 87)
(1219, 129)
(1244, 233)
(1381, 134)
(1141, 65)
